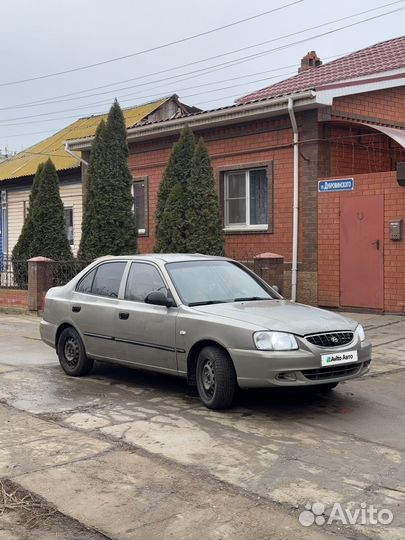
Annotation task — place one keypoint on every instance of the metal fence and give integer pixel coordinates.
(13, 274)
(64, 271)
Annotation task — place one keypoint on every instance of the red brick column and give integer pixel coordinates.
(270, 267)
(40, 279)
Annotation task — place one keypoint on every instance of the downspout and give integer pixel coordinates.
(294, 266)
(74, 155)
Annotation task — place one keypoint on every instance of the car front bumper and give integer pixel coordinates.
(257, 369)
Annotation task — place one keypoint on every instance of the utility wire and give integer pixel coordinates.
(197, 86)
(245, 59)
(156, 48)
(337, 139)
(207, 70)
(149, 96)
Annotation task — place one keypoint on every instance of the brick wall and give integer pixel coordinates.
(250, 143)
(14, 298)
(383, 183)
(358, 149)
(387, 106)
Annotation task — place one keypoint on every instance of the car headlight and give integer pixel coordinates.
(274, 341)
(360, 332)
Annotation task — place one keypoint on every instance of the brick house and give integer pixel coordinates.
(350, 119)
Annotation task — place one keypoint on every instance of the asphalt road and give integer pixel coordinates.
(126, 454)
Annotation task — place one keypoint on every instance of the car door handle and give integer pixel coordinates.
(76, 309)
(123, 315)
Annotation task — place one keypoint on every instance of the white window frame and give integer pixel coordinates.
(247, 225)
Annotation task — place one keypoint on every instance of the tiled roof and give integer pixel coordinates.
(25, 163)
(378, 58)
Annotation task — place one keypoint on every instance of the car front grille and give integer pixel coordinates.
(332, 339)
(330, 373)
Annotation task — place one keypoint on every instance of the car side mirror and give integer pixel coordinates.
(276, 288)
(159, 298)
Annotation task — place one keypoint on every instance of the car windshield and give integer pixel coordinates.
(214, 282)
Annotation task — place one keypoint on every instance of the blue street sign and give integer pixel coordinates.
(340, 184)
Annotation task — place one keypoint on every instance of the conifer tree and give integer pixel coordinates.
(178, 171)
(22, 250)
(172, 222)
(109, 224)
(49, 237)
(203, 218)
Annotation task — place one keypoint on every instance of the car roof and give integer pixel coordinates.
(164, 257)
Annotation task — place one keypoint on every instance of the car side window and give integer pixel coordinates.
(143, 279)
(108, 279)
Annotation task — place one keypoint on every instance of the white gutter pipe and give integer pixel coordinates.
(74, 155)
(294, 266)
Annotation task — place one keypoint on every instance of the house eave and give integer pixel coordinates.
(327, 93)
(210, 119)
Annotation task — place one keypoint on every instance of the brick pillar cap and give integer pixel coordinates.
(40, 259)
(268, 255)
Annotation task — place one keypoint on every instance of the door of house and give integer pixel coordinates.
(361, 252)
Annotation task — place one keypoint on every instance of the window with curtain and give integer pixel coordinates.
(246, 199)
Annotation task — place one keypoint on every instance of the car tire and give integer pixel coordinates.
(216, 378)
(326, 387)
(72, 355)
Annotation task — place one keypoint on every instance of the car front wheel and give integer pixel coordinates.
(71, 353)
(216, 378)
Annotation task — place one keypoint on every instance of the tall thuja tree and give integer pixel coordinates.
(109, 224)
(178, 171)
(203, 216)
(90, 222)
(172, 222)
(22, 251)
(49, 237)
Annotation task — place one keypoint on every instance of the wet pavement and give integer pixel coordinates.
(135, 455)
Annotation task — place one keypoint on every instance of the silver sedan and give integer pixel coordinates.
(208, 319)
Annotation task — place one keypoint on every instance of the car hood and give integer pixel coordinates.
(281, 315)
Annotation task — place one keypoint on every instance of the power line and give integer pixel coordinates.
(337, 139)
(156, 48)
(149, 96)
(207, 70)
(26, 134)
(244, 59)
(216, 82)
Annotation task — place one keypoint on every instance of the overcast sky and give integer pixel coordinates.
(40, 37)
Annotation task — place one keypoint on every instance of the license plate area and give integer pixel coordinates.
(333, 359)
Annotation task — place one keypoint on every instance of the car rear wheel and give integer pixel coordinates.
(72, 355)
(216, 378)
